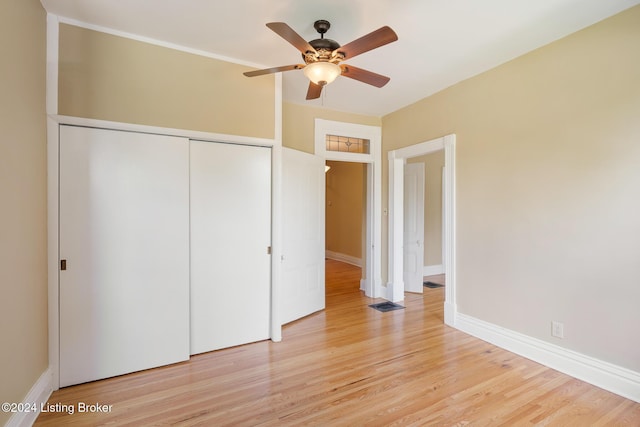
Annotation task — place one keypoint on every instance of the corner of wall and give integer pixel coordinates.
(34, 401)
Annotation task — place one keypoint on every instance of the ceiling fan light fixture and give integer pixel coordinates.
(322, 56)
(322, 73)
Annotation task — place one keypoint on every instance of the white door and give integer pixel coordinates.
(413, 226)
(303, 187)
(230, 239)
(124, 236)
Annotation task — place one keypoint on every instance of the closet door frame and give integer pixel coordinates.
(53, 185)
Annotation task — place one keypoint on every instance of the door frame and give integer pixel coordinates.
(397, 160)
(371, 283)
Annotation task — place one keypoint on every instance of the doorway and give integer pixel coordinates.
(368, 139)
(423, 220)
(345, 212)
(397, 160)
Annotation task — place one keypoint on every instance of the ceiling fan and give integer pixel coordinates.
(322, 56)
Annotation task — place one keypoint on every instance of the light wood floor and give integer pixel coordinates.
(351, 365)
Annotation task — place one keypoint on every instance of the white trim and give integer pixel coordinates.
(442, 214)
(52, 200)
(156, 42)
(276, 242)
(613, 378)
(395, 274)
(277, 133)
(432, 270)
(373, 278)
(52, 64)
(52, 197)
(36, 399)
(449, 227)
(349, 259)
(372, 273)
(397, 160)
(53, 144)
(276, 216)
(191, 134)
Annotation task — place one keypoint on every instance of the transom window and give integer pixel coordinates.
(347, 144)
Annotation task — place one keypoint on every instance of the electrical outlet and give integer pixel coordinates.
(557, 329)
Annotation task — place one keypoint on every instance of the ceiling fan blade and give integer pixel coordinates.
(287, 33)
(368, 77)
(314, 91)
(273, 70)
(375, 39)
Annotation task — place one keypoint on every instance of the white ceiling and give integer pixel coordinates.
(440, 42)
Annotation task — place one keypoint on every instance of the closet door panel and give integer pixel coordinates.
(230, 234)
(124, 233)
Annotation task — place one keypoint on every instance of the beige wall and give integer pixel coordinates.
(298, 124)
(102, 76)
(548, 155)
(345, 208)
(433, 164)
(23, 216)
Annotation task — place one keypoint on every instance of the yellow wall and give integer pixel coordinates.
(548, 155)
(345, 208)
(298, 124)
(433, 164)
(102, 76)
(23, 216)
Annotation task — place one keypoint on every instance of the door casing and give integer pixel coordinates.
(371, 282)
(397, 159)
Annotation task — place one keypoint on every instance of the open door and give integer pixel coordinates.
(303, 234)
(413, 226)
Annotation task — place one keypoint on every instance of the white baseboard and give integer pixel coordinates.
(450, 313)
(613, 378)
(387, 292)
(432, 270)
(37, 397)
(343, 258)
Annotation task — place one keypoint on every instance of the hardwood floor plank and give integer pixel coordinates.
(352, 365)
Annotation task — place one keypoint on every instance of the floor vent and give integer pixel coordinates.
(386, 306)
(432, 285)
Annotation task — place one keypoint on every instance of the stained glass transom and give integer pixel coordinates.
(347, 144)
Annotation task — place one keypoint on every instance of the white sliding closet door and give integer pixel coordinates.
(124, 233)
(230, 235)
